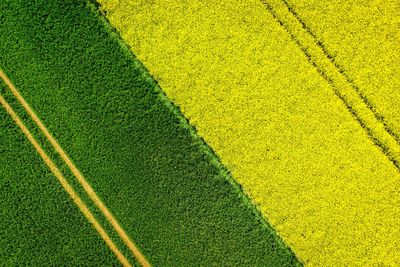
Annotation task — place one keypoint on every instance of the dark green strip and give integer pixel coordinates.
(136, 150)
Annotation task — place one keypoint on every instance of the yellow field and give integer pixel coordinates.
(364, 38)
(274, 121)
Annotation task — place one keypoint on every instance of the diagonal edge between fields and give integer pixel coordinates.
(370, 121)
(65, 184)
(211, 155)
(365, 99)
(75, 171)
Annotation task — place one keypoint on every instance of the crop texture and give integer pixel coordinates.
(40, 226)
(164, 185)
(301, 147)
(362, 38)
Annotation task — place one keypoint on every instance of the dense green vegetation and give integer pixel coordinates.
(163, 184)
(39, 224)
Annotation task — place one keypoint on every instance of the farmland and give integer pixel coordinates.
(363, 38)
(199, 133)
(37, 217)
(309, 153)
(163, 184)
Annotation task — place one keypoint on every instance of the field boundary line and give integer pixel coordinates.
(355, 102)
(86, 186)
(60, 177)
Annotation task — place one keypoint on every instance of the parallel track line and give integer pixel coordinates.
(81, 179)
(74, 196)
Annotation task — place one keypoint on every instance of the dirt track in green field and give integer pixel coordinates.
(40, 226)
(162, 183)
(77, 174)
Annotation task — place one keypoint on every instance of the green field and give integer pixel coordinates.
(199, 133)
(40, 226)
(162, 182)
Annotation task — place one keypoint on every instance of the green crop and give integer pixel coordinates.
(164, 185)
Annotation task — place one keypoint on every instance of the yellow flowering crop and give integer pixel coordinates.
(274, 121)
